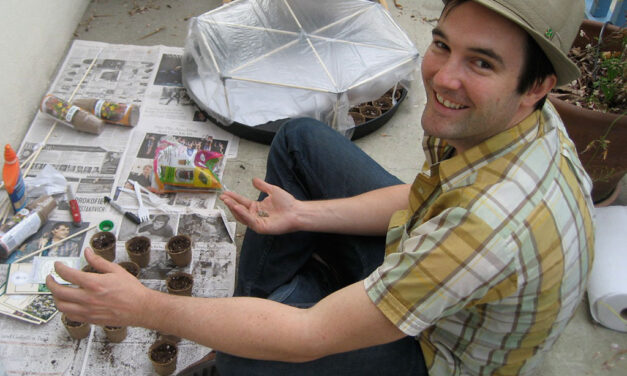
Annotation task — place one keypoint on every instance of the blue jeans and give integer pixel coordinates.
(314, 162)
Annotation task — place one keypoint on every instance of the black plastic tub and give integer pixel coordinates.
(264, 133)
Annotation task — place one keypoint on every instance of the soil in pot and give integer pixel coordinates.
(138, 249)
(397, 94)
(115, 333)
(601, 86)
(179, 247)
(103, 244)
(130, 267)
(77, 330)
(357, 117)
(370, 112)
(383, 103)
(594, 106)
(180, 284)
(163, 356)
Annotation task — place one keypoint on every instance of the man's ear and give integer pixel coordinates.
(539, 90)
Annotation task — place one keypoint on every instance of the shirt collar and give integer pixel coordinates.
(456, 168)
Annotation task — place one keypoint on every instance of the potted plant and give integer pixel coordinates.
(77, 330)
(115, 333)
(131, 267)
(594, 107)
(179, 247)
(163, 355)
(138, 249)
(103, 244)
(180, 283)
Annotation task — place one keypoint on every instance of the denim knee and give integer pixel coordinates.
(305, 131)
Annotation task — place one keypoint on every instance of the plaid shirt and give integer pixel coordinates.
(491, 259)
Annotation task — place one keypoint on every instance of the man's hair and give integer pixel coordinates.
(536, 66)
(59, 224)
(161, 218)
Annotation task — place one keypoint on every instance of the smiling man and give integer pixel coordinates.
(485, 256)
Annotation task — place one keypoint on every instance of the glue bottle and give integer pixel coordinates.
(25, 223)
(13, 180)
(111, 112)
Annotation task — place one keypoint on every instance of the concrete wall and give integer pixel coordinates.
(34, 37)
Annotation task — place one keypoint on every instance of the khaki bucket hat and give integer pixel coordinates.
(553, 24)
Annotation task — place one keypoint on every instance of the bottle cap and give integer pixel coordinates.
(106, 225)
(9, 155)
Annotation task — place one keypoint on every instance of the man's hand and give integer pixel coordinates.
(114, 297)
(274, 215)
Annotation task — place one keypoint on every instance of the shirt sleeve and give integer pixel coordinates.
(450, 262)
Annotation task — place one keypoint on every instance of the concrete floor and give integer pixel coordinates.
(584, 348)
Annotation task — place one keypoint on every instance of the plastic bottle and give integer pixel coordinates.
(24, 224)
(13, 180)
(111, 112)
(72, 116)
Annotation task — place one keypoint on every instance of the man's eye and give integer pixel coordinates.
(483, 64)
(440, 45)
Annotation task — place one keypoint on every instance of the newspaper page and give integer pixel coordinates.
(32, 337)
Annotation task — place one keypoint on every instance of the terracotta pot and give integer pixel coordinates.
(131, 267)
(115, 333)
(103, 244)
(587, 127)
(163, 355)
(77, 330)
(179, 247)
(584, 126)
(180, 283)
(138, 249)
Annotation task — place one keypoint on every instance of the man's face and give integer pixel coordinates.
(470, 72)
(61, 232)
(158, 223)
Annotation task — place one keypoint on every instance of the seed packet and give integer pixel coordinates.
(179, 168)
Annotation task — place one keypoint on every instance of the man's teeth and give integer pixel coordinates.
(448, 104)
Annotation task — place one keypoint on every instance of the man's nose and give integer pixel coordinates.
(449, 75)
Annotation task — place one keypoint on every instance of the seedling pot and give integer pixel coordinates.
(138, 249)
(103, 244)
(77, 330)
(179, 247)
(163, 355)
(180, 283)
(115, 333)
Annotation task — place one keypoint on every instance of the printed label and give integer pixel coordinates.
(70, 113)
(98, 108)
(18, 197)
(16, 236)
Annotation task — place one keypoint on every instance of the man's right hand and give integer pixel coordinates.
(276, 214)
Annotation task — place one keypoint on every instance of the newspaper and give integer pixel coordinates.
(32, 337)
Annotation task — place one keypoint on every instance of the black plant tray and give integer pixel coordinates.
(264, 133)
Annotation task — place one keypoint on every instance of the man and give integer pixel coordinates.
(486, 253)
(59, 231)
(159, 227)
(144, 178)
